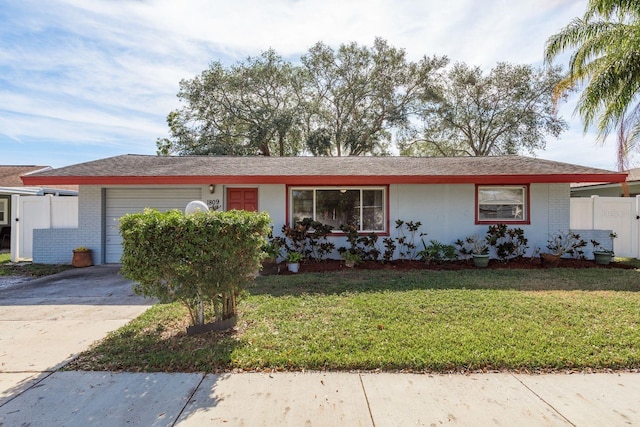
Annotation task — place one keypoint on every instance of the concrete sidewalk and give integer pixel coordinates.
(44, 323)
(326, 399)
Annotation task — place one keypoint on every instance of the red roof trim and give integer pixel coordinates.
(323, 179)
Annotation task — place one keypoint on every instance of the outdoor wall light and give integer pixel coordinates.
(212, 188)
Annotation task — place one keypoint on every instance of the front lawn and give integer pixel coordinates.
(400, 320)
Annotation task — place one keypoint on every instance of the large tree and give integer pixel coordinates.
(355, 96)
(506, 111)
(251, 108)
(605, 61)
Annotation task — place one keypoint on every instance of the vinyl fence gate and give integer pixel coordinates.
(31, 212)
(620, 214)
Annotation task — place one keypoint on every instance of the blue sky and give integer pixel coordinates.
(83, 79)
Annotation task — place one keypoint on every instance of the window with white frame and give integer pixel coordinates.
(4, 212)
(363, 208)
(504, 203)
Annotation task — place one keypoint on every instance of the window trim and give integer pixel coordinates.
(527, 204)
(385, 203)
(4, 207)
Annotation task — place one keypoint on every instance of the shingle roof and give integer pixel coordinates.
(10, 174)
(632, 177)
(137, 169)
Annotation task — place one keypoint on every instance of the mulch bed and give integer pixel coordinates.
(520, 263)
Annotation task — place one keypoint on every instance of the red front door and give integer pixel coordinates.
(244, 199)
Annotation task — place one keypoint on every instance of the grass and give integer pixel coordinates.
(413, 320)
(631, 261)
(7, 268)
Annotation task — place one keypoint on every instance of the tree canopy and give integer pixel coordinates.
(605, 61)
(505, 111)
(361, 100)
(356, 95)
(248, 109)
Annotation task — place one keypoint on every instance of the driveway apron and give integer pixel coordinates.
(46, 322)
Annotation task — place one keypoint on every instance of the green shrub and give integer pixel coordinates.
(437, 252)
(407, 240)
(473, 245)
(566, 242)
(204, 258)
(365, 247)
(308, 238)
(509, 243)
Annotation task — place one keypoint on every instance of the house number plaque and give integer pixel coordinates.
(213, 204)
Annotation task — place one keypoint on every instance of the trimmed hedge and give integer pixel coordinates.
(204, 259)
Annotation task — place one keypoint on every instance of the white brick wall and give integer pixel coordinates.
(55, 245)
(560, 219)
(559, 207)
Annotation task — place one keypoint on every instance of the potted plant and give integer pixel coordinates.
(293, 261)
(477, 247)
(272, 250)
(602, 256)
(81, 257)
(559, 244)
(351, 258)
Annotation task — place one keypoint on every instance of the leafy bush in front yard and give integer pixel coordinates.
(407, 239)
(437, 252)
(308, 238)
(566, 242)
(202, 259)
(509, 243)
(364, 247)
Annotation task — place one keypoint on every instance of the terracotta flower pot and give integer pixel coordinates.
(81, 259)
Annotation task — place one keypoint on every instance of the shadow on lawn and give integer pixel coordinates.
(338, 282)
(166, 347)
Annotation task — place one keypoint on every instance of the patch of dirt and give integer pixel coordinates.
(519, 263)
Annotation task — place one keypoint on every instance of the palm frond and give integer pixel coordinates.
(605, 59)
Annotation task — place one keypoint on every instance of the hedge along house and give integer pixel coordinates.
(452, 197)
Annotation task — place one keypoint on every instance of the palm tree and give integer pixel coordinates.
(606, 62)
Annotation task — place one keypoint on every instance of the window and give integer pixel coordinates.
(363, 208)
(502, 204)
(4, 212)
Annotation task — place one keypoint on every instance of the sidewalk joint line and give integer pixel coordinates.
(543, 400)
(49, 373)
(366, 398)
(195, 389)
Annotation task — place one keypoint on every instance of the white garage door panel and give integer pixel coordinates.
(121, 201)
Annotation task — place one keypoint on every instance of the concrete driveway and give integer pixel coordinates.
(45, 322)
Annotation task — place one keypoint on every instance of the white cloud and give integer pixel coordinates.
(106, 72)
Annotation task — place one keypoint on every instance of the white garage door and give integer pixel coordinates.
(121, 201)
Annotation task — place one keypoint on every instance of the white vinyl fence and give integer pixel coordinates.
(31, 212)
(620, 214)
